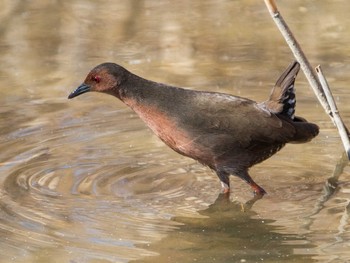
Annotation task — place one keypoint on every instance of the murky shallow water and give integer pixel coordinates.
(86, 181)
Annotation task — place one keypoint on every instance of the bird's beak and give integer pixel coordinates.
(80, 90)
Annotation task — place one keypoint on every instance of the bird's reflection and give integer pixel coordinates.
(228, 231)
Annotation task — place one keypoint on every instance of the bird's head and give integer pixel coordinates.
(106, 78)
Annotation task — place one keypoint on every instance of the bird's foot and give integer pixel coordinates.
(225, 189)
(259, 191)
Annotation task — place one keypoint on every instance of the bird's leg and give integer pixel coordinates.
(225, 181)
(246, 177)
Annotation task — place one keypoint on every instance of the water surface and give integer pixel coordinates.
(85, 181)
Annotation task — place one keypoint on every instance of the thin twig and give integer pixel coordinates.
(298, 53)
(343, 132)
(308, 71)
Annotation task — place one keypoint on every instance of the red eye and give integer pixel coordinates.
(97, 79)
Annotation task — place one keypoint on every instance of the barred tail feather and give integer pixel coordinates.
(282, 98)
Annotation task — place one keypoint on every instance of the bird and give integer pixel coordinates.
(227, 133)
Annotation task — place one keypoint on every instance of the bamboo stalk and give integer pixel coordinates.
(310, 74)
(343, 132)
(298, 54)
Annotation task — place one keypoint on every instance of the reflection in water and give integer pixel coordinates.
(229, 232)
(85, 181)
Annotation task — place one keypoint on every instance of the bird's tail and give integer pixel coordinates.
(282, 98)
(304, 130)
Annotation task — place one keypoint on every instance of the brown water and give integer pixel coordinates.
(85, 181)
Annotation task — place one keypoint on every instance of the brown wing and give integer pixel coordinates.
(227, 121)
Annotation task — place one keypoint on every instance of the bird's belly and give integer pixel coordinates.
(170, 132)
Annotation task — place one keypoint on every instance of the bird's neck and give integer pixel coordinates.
(137, 91)
(157, 105)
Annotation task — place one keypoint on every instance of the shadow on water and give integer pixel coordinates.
(229, 231)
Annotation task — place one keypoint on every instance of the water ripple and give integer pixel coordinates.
(90, 204)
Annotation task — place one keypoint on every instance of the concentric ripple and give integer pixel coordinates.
(73, 194)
